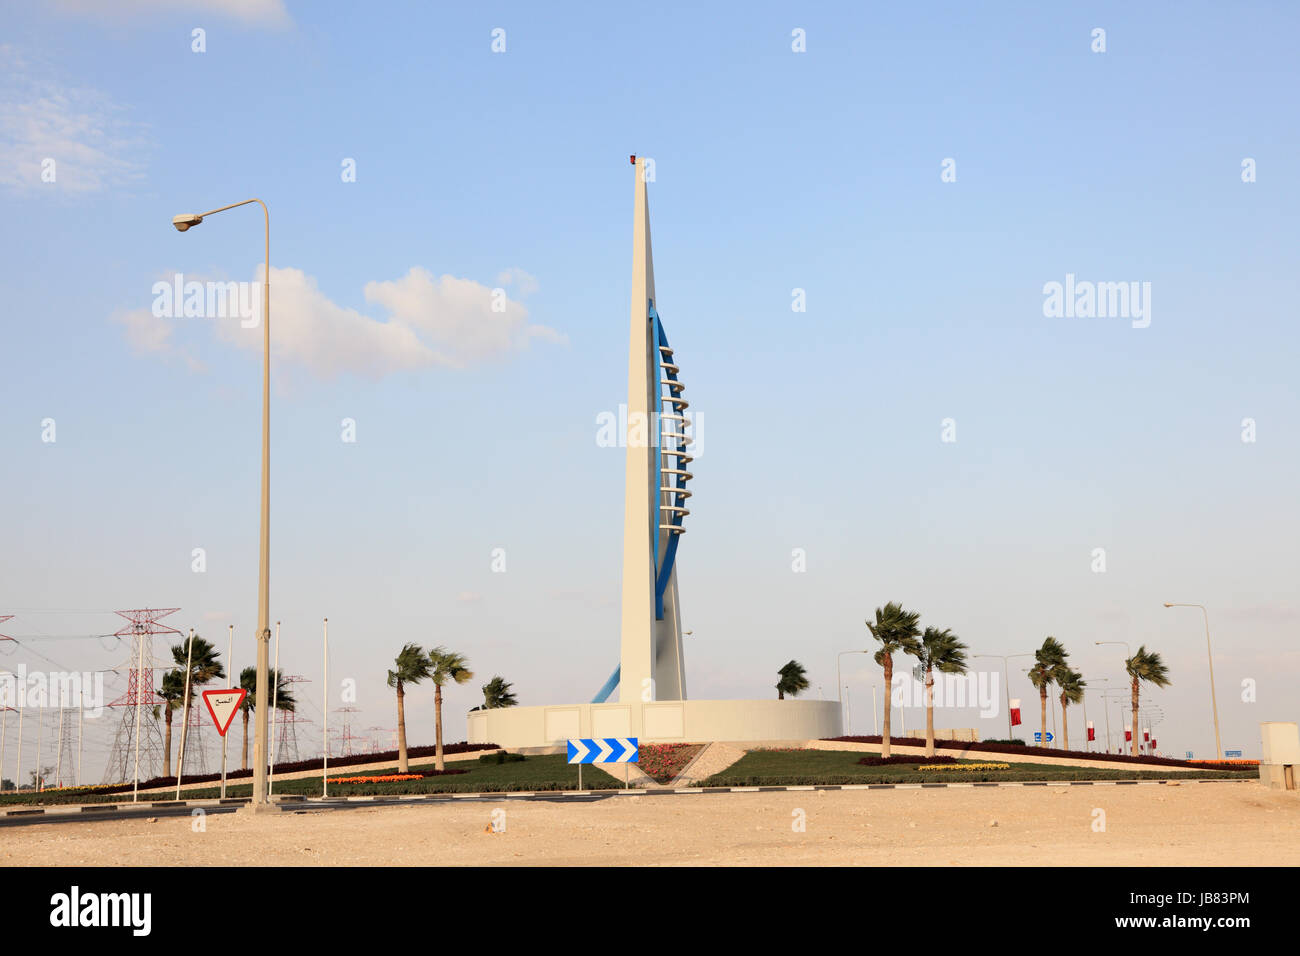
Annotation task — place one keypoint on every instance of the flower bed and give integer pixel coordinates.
(875, 760)
(387, 778)
(663, 762)
(967, 767)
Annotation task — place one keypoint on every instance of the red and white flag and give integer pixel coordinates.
(1092, 734)
(1015, 711)
(1146, 733)
(1128, 736)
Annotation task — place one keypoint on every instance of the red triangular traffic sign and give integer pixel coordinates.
(223, 705)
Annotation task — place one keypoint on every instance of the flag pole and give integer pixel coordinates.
(185, 713)
(275, 704)
(325, 764)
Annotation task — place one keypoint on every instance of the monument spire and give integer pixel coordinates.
(651, 666)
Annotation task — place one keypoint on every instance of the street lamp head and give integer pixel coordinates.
(1167, 604)
(184, 222)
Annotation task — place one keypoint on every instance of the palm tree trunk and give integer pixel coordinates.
(1065, 728)
(929, 712)
(245, 738)
(437, 728)
(889, 695)
(167, 741)
(1135, 716)
(402, 765)
(780, 694)
(1042, 700)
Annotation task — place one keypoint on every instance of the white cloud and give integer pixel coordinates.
(86, 135)
(310, 330)
(465, 321)
(515, 276)
(271, 13)
(148, 334)
(445, 322)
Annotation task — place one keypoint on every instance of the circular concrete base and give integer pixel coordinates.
(661, 721)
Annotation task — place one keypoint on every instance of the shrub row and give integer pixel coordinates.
(875, 760)
(316, 763)
(500, 757)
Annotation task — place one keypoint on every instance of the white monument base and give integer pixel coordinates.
(663, 721)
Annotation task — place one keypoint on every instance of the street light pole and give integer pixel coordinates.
(839, 682)
(183, 223)
(1127, 649)
(1214, 704)
(1099, 680)
(1006, 682)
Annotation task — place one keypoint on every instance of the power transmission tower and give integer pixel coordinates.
(348, 736)
(287, 721)
(139, 701)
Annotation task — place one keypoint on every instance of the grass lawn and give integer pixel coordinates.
(787, 768)
(546, 772)
(771, 768)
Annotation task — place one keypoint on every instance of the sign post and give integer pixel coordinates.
(230, 669)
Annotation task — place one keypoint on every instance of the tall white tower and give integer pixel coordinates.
(651, 675)
(651, 664)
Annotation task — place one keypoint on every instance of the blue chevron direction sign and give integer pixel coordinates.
(603, 750)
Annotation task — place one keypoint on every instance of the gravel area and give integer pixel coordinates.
(715, 758)
(1192, 824)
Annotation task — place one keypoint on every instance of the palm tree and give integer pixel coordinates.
(1048, 659)
(896, 630)
(444, 665)
(793, 680)
(201, 657)
(941, 649)
(1144, 666)
(172, 692)
(497, 693)
(277, 687)
(1072, 686)
(412, 667)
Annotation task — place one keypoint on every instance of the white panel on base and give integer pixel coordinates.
(611, 722)
(663, 720)
(562, 724)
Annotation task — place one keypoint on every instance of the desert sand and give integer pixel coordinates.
(1221, 824)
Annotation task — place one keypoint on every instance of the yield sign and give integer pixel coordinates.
(222, 705)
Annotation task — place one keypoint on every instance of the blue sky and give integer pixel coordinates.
(775, 171)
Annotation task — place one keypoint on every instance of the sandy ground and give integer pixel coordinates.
(1207, 824)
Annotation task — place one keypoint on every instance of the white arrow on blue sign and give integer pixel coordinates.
(1232, 753)
(603, 750)
(1038, 736)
